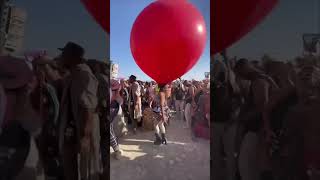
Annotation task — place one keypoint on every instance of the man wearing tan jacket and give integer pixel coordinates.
(135, 106)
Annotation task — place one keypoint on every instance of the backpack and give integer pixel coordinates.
(179, 93)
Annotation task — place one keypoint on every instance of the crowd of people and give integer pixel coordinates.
(265, 119)
(151, 106)
(264, 115)
(59, 105)
(67, 112)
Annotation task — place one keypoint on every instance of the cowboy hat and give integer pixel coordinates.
(133, 77)
(74, 49)
(14, 72)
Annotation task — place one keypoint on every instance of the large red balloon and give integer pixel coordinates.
(167, 39)
(231, 20)
(100, 10)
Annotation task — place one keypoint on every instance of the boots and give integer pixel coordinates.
(158, 139)
(163, 139)
(117, 154)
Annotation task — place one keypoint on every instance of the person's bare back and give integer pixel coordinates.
(311, 127)
(303, 122)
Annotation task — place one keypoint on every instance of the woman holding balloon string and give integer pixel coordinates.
(163, 110)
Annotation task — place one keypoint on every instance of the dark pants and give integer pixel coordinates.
(70, 162)
(104, 141)
(47, 144)
(14, 149)
(77, 164)
(133, 121)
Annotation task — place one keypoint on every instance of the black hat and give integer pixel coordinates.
(133, 77)
(74, 49)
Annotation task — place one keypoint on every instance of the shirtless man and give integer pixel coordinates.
(303, 127)
(253, 147)
(135, 106)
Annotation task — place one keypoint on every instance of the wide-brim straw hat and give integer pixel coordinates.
(14, 72)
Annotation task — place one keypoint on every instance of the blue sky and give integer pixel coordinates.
(280, 35)
(122, 16)
(51, 23)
